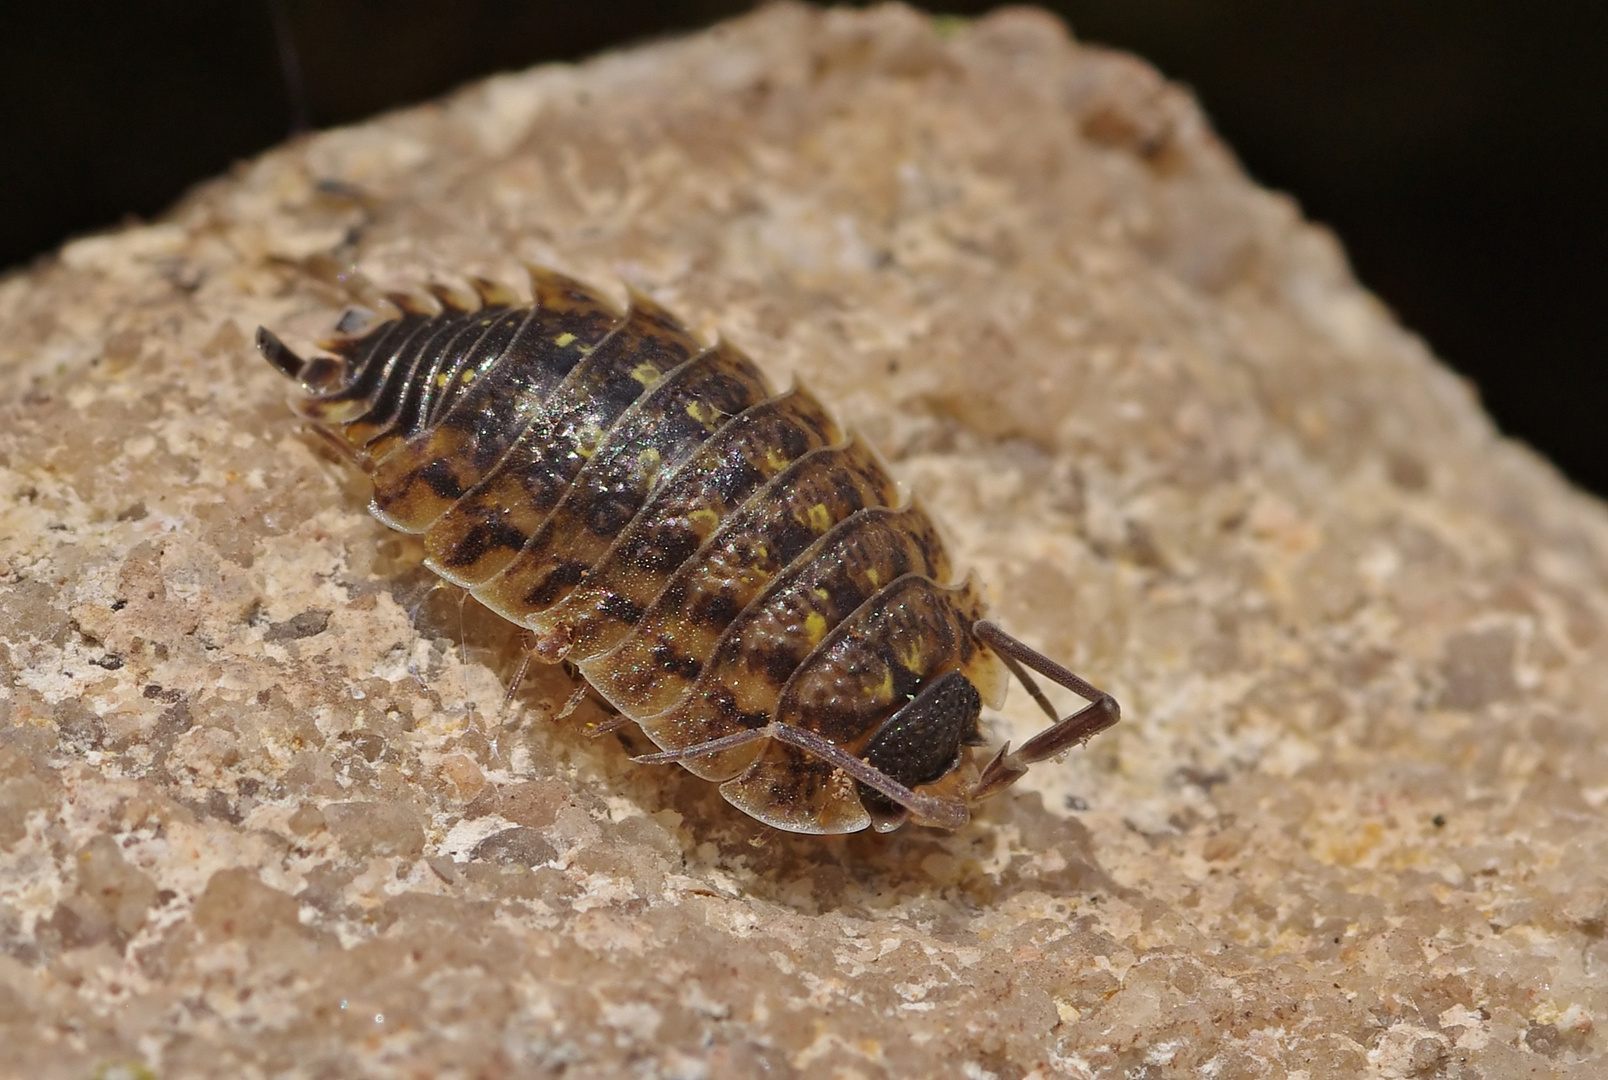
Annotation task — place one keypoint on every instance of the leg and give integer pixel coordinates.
(519, 677)
(1101, 712)
(613, 722)
(463, 633)
(575, 698)
(943, 812)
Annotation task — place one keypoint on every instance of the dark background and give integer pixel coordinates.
(1459, 147)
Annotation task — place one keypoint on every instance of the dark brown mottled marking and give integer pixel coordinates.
(489, 525)
(723, 564)
(735, 465)
(765, 537)
(645, 448)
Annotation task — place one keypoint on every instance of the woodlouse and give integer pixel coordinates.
(723, 564)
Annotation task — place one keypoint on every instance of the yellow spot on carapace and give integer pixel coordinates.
(702, 412)
(884, 692)
(820, 517)
(775, 460)
(468, 376)
(587, 438)
(704, 520)
(815, 626)
(563, 339)
(646, 374)
(873, 577)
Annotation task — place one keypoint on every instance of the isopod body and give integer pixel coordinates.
(723, 564)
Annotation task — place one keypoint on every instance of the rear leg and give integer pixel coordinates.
(1099, 714)
(518, 679)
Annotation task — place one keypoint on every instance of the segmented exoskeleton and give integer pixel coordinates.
(724, 565)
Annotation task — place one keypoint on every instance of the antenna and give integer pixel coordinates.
(290, 68)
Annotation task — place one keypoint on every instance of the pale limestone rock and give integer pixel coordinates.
(261, 812)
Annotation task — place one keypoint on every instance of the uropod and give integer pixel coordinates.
(723, 564)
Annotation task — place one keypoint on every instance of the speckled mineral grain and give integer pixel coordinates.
(263, 811)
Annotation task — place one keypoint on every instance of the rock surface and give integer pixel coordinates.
(262, 811)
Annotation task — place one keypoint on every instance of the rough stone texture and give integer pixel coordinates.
(262, 811)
